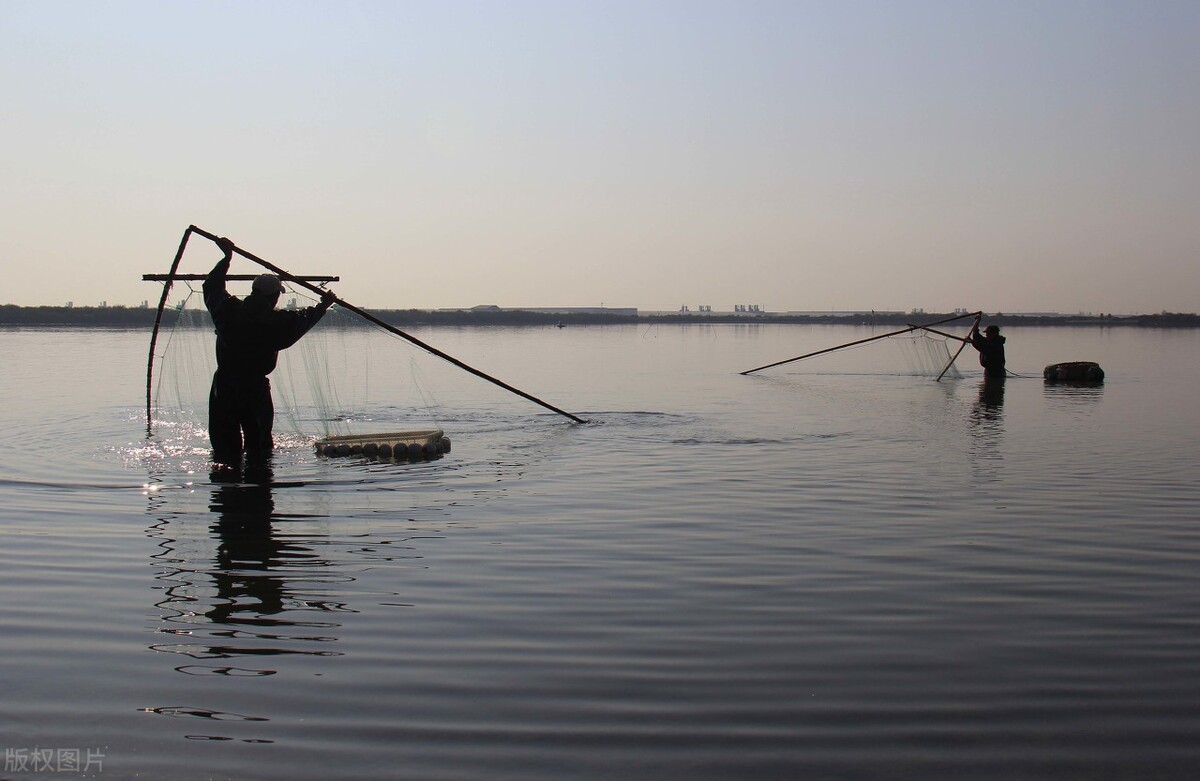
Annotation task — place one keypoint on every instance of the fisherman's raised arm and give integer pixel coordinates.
(300, 321)
(215, 293)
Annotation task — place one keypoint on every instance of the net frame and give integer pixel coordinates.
(320, 386)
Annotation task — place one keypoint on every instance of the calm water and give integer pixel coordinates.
(829, 570)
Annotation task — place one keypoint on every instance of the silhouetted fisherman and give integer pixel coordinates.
(991, 351)
(250, 334)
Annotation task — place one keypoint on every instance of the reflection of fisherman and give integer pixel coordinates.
(991, 350)
(246, 590)
(250, 334)
(991, 400)
(255, 594)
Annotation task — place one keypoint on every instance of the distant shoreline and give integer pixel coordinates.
(143, 317)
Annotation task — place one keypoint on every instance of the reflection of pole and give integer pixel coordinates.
(154, 334)
(860, 341)
(960, 347)
(390, 328)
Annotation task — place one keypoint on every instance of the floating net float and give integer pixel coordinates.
(398, 445)
(1073, 371)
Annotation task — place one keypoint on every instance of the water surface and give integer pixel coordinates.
(833, 569)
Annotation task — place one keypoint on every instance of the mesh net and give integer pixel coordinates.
(320, 386)
(927, 355)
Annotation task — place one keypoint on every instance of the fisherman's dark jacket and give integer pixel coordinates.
(251, 332)
(991, 353)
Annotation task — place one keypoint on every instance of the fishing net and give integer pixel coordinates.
(924, 349)
(321, 387)
(927, 355)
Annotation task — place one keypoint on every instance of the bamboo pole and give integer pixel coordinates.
(954, 358)
(388, 327)
(858, 342)
(955, 337)
(162, 302)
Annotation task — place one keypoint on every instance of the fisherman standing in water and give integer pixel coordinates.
(991, 351)
(250, 334)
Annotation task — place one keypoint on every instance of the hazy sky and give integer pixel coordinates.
(1008, 155)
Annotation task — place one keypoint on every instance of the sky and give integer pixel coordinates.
(1011, 156)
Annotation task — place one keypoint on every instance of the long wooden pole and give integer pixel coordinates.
(954, 358)
(955, 337)
(390, 328)
(858, 342)
(162, 302)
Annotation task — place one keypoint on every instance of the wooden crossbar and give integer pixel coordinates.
(234, 277)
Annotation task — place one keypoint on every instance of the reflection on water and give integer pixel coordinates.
(1073, 396)
(254, 566)
(249, 600)
(987, 424)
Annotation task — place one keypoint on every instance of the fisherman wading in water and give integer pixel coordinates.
(250, 334)
(991, 351)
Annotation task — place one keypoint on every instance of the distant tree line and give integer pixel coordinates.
(107, 316)
(143, 317)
